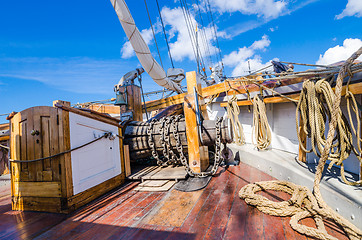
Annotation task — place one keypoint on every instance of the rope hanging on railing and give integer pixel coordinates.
(315, 107)
(261, 134)
(303, 203)
(233, 112)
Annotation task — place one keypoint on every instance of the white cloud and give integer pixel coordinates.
(273, 29)
(245, 56)
(264, 8)
(181, 47)
(340, 53)
(245, 26)
(353, 8)
(79, 75)
(127, 49)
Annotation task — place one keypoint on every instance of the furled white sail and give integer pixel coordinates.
(140, 47)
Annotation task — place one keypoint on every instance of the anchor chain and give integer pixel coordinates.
(173, 159)
(184, 159)
(151, 142)
(169, 156)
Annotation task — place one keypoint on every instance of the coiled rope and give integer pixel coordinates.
(303, 203)
(261, 130)
(315, 106)
(233, 111)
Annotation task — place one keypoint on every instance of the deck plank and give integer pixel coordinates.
(217, 212)
(254, 228)
(273, 226)
(235, 228)
(90, 212)
(202, 221)
(219, 220)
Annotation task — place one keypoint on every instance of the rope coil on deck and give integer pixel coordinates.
(303, 203)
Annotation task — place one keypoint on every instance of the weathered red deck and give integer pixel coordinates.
(215, 212)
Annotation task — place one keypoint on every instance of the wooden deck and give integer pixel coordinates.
(215, 212)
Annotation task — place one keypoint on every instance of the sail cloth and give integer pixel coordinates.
(143, 53)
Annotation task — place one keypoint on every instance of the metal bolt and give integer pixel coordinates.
(352, 217)
(337, 209)
(194, 162)
(288, 178)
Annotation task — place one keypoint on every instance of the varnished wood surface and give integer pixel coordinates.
(215, 212)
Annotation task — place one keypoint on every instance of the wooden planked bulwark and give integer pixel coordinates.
(42, 204)
(85, 197)
(37, 189)
(47, 185)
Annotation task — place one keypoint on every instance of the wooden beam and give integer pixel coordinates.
(302, 156)
(91, 114)
(266, 100)
(4, 138)
(134, 102)
(235, 87)
(127, 160)
(355, 88)
(232, 87)
(105, 108)
(165, 102)
(198, 155)
(4, 126)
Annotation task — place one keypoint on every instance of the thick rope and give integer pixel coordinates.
(233, 111)
(303, 203)
(315, 106)
(261, 130)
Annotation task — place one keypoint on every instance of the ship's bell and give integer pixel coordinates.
(120, 99)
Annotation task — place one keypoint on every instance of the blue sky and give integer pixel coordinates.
(77, 50)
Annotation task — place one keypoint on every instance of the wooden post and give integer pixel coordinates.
(134, 102)
(127, 160)
(302, 156)
(198, 155)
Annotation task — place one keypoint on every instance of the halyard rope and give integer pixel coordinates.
(303, 203)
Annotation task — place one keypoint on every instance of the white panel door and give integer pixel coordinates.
(97, 162)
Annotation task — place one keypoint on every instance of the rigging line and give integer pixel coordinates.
(201, 59)
(153, 32)
(192, 33)
(212, 32)
(203, 34)
(310, 65)
(189, 30)
(164, 32)
(214, 27)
